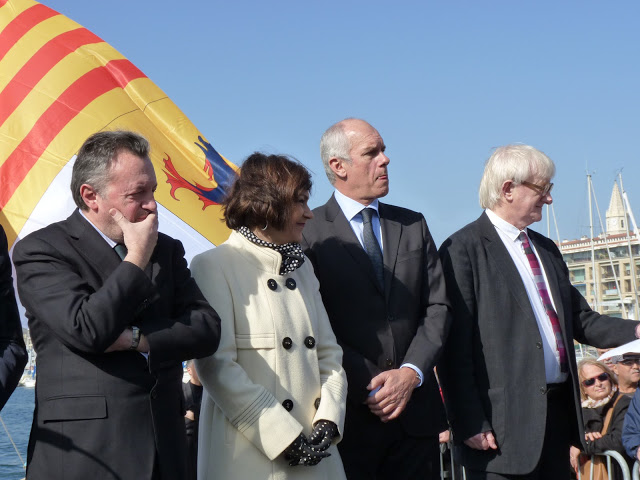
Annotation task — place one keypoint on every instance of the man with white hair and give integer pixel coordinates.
(509, 371)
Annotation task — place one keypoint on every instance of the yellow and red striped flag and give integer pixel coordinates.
(59, 83)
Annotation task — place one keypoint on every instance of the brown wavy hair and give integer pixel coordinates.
(264, 191)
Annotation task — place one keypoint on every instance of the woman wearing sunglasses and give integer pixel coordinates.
(603, 411)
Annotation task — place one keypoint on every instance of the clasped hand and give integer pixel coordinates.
(310, 452)
(395, 389)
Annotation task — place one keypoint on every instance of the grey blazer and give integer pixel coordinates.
(493, 371)
(380, 330)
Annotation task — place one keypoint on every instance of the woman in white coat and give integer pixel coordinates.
(274, 395)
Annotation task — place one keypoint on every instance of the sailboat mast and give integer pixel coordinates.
(593, 250)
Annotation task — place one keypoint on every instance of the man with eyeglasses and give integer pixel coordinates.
(627, 369)
(509, 371)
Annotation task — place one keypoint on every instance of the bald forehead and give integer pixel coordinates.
(352, 126)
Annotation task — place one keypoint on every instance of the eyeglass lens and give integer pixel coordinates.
(604, 376)
(630, 361)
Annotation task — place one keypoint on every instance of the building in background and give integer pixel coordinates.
(613, 290)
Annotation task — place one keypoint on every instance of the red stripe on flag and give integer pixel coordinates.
(73, 100)
(20, 25)
(39, 65)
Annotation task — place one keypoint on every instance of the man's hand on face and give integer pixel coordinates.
(140, 238)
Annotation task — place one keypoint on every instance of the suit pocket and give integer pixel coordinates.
(78, 407)
(410, 255)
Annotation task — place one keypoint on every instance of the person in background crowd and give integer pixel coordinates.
(624, 361)
(509, 372)
(13, 352)
(627, 369)
(192, 392)
(274, 393)
(112, 312)
(601, 352)
(601, 398)
(381, 281)
(631, 428)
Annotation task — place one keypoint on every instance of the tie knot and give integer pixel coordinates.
(367, 214)
(121, 250)
(524, 239)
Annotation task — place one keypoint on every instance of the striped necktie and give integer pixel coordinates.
(538, 278)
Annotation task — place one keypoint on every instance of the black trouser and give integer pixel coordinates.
(373, 450)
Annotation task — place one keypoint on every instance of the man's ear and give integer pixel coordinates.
(89, 195)
(507, 190)
(337, 167)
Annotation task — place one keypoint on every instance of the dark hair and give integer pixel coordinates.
(96, 156)
(264, 191)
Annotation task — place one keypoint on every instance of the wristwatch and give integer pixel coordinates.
(135, 338)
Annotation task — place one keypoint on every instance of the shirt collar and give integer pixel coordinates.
(107, 239)
(505, 227)
(351, 207)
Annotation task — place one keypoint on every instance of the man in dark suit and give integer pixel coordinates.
(13, 353)
(509, 371)
(110, 334)
(381, 282)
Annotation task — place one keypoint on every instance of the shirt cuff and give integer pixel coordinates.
(416, 369)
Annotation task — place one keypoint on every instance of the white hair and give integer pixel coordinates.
(517, 163)
(335, 144)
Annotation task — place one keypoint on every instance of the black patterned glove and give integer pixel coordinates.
(323, 434)
(300, 452)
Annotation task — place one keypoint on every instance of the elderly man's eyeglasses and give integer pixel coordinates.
(627, 362)
(543, 190)
(603, 377)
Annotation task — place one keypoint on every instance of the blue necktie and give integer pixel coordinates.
(372, 246)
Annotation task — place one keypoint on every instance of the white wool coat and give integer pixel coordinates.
(244, 426)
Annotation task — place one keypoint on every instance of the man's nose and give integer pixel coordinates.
(150, 204)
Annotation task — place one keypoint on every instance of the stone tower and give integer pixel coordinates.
(616, 219)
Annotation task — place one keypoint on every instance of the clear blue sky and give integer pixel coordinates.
(443, 81)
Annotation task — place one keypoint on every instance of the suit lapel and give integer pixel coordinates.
(391, 232)
(344, 233)
(503, 264)
(93, 248)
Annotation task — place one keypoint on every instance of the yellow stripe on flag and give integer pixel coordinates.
(58, 84)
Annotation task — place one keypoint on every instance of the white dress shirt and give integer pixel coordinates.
(352, 210)
(509, 236)
(106, 239)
